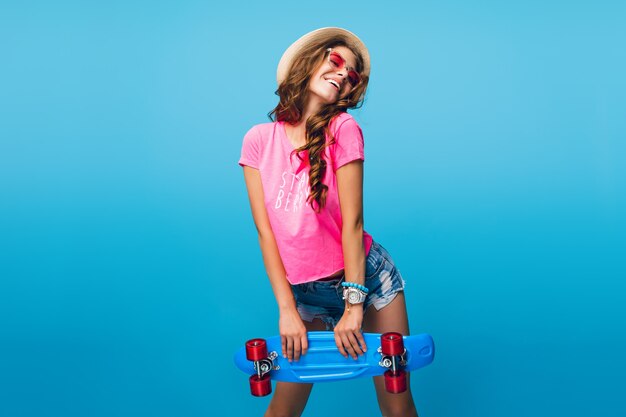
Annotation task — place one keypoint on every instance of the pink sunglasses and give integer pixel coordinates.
(337, 62)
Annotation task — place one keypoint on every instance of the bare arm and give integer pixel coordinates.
(292, 330)
(350, 188)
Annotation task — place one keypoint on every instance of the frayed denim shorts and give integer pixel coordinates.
(324, 299)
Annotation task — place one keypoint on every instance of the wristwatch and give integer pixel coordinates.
(354, 295)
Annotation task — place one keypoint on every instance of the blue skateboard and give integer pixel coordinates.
(388, 354)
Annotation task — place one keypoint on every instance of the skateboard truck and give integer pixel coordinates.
(393, 358)
(392, 362)
(256, 351)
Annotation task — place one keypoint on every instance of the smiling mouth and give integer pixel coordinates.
(333, 83)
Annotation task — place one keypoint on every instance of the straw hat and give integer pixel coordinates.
(287, 58)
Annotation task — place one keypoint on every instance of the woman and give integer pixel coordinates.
(304, 176)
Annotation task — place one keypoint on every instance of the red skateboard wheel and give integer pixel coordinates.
(256, 349)
(395, 382)
(392, 344)
(260, 387)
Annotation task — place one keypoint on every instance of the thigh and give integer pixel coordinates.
(290, 398)
(391, 318)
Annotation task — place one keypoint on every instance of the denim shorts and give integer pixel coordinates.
(324, 299)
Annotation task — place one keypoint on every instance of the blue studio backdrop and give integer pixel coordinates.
(495, 174)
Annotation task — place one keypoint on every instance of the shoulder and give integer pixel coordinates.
(344, 127)
(343, 119)
(259, 132)
(260, 128)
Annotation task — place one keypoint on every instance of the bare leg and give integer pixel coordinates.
(391, 318)
(290, 398)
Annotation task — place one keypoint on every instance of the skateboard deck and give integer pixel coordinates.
(324, 363)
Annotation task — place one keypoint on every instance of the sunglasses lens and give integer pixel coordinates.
(336, 60)
(353, 78)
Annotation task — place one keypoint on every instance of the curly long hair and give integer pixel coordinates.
(294, 93)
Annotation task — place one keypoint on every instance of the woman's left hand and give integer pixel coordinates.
(348, 336)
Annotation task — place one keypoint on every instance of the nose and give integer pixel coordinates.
(343, 74)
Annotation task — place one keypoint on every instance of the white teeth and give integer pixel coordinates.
(333, 82)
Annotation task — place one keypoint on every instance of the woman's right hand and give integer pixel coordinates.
(292, 335)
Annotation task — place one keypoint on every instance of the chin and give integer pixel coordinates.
(325, 96)
(325, 99)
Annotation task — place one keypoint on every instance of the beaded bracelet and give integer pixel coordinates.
(355, 285)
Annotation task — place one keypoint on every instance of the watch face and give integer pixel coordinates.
(353, 297)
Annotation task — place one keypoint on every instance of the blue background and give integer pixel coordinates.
(495, 175)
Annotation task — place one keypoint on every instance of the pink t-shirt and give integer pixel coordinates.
(309, 243)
